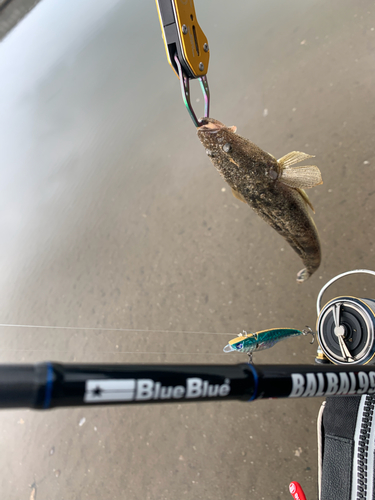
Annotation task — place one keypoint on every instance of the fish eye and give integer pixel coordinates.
(227, 147)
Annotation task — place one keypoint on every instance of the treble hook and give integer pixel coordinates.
(308, 331)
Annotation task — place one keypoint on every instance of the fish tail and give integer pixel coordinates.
(303, 275)
(312, 266)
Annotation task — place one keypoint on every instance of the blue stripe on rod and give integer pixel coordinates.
(49, 386)
(256, 382)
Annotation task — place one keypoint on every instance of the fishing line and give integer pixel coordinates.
(118, 352)
(103, 329)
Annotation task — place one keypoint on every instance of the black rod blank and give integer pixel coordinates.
(50, 385)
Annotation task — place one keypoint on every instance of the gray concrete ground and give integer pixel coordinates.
(111, 215)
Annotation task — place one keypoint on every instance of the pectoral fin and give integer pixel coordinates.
(238, 195)
(293, 158)
(301, 177)
(305, 198)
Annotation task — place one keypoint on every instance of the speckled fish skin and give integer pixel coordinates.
(254, 175)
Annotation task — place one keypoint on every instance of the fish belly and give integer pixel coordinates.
(284, 209)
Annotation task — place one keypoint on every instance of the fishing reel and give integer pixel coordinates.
(346, 327)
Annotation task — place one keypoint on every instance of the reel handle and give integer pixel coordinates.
(336, 278)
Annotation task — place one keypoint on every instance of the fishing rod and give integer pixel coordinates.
(51, 385)
(344, 367)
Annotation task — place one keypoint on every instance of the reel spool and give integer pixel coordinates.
(346, 327)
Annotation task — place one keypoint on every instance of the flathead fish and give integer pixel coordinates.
(273, 188)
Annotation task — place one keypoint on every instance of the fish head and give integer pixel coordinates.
(236, 158)
(214, 135)
(241, 343)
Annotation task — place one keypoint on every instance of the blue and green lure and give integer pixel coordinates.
(251, 342)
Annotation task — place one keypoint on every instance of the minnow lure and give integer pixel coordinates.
(274, 189)
(258, 341)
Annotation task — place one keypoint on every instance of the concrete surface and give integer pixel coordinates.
(111, 215)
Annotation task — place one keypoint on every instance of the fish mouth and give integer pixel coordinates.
(210, 125)
(213, 126)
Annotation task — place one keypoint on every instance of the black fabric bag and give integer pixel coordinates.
(346, 437)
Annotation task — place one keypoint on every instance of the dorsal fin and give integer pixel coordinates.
(292, 158)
